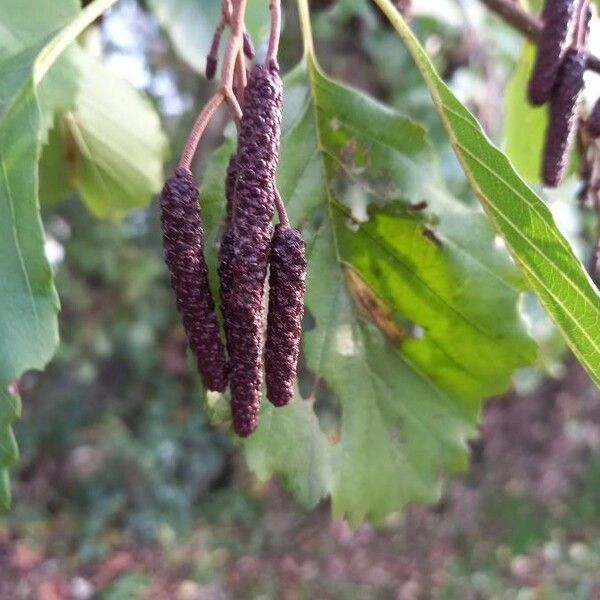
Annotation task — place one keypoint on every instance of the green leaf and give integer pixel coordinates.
(191, 24)
(523, 220)
(524, 125)
(23, 27)
(56, 167)
(111, 143)
(28, 300)
(409, 334)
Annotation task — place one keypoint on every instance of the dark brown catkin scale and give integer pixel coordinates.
(593, 122)
(563, 116)
(230, 181)
(258, 150)
(287, 278)
(183, 247)
(226, 250)
(557, 16)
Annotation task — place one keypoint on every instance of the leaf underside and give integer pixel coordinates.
(522, 219)
(108, 146)
(28, 300)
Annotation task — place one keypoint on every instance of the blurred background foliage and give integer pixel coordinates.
(125, 490)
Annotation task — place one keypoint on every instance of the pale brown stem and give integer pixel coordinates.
(240, 76)
(273, 47)
(235, 107)
(198, 129)
(233, 45)
(280, 206)
(233, 11)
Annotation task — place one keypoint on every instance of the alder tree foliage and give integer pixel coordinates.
(412, 308)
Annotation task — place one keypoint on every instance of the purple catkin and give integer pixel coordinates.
(226, 250)
(258, 150)
(557, 16)
(593, 122)
(563, 117)
(230, 181)
(287, 277)
(183, 241)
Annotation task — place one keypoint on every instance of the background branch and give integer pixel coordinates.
(528, 24)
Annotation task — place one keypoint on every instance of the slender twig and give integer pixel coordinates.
(233, 45)
(528, 24)
(227, 10)
(514, 15)
(233, 13)
(273, 47)
(280, 206)
(240, 76)
(234, 105)
(198, 129)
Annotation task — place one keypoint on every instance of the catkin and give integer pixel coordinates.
(557, 17)
(258, 150)
(287, 277)
(183, 247)
(226, 251)
(563, 116)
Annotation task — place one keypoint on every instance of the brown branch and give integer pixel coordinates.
(240, 76)
(280, 206)
(529, 25)
(275, 8)
(198, 129)
(233, 12)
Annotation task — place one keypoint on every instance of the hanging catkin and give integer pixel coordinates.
(557, 17)
(563, 117)
(287, 278)
(258, 150)
(183, 247)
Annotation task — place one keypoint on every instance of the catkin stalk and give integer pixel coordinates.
(287, 277)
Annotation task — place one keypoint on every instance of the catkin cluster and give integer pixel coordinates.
(248, 249)
(557, 80)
